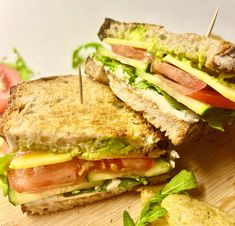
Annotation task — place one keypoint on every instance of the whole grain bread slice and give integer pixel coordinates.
(45, 114)
(214, 53)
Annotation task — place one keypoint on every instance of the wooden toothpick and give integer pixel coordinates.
(80, 85)
(213, 19)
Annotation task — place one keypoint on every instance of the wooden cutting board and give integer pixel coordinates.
(212, 160)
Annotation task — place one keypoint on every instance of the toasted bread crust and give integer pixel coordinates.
(97, 70)
(218, 54)
(176, 129)
(46, 114)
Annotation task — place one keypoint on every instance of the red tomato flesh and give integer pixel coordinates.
(133, 53)
(3, 103)
(8, 77)
(178, 75)
(212, 97)
(169, 84)
(39, 178)
(71, 172)
(5, 148)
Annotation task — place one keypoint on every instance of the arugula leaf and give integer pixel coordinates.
(20, 65)
(4, 162)
(152, 215)
(183, 181)
(79, 54)
(144, 211)
(127, 220)
(157, 198)
(155, 213)
(24, 71)
(127, 183)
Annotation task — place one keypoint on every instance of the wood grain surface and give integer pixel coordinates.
(212, 159)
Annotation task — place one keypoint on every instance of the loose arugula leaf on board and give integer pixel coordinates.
(183, 181)
(152, 215)
(127, 220)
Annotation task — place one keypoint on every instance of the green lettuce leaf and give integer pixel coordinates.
(125, 72)
(81, 53)
(4, 162)
(216, 117)
(128, 74)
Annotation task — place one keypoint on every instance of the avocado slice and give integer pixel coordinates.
(160, 166)
(224, 88)
(17, 198)
(135, 63)
(132, 43)
(100, 176)
(195, 105)
(39, 158)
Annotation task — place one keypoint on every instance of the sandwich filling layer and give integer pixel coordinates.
(185, 87)
(27, 183)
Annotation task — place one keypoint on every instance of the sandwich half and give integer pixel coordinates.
(63, 154)
(181, 83)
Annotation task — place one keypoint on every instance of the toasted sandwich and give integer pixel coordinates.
(63, 154)
(182, 84)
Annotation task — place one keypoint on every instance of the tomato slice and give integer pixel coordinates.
(178, 75)
(210, 96)
(172, 85)
(5, 148)
(3, 103)
(71, 172)
(8, 77)
(130, 52)
(43, 177)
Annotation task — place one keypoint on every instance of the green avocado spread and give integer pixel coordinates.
(90, 150)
